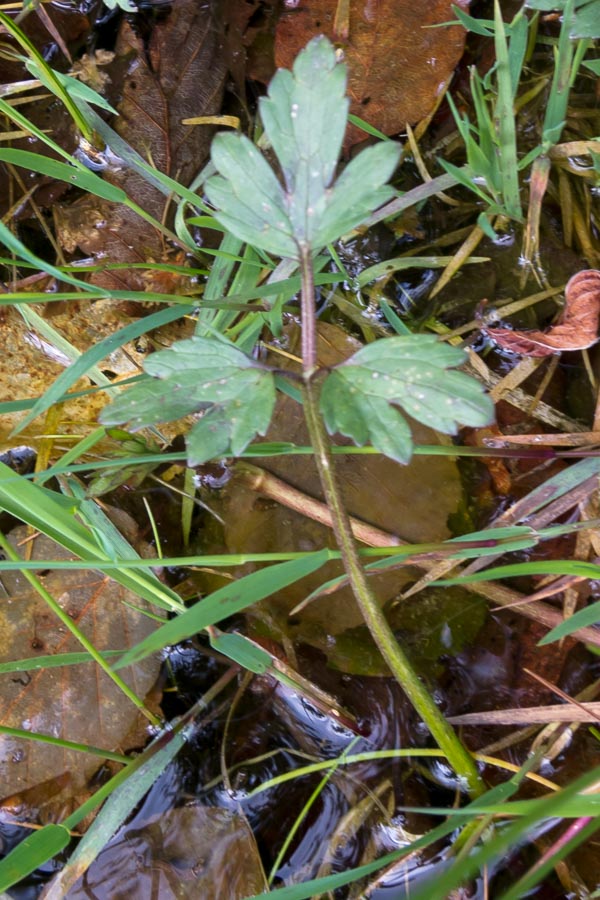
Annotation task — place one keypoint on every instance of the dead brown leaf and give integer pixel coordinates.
(398, 65)
(78, 703)
(177, 73)
(577, 329)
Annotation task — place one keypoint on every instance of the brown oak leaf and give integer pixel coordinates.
(576, 330)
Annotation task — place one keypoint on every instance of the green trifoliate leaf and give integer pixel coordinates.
(305, 117)
(359, 397)
(201, 374)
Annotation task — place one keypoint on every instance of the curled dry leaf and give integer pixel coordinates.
(577, 329)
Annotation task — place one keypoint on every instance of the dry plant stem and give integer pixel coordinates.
(458, 756)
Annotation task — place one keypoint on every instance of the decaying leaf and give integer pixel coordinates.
(577, 329)
(398, 64)
(177, 73)
(77, 703)
(190, 852)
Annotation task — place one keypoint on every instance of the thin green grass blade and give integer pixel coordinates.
(54, 515)
(502, 841)
(483, 27)
(24, 735)
(114, 812)
(142, 581)
(394, 320)
(466, 177)
(72, 86)
(412, 198)
(537, 873)
(368, 129)
(73, 174)
(584, 617)
(47, 74)
(505, 119)
(243, 282)
(54, 661)
(519, 35)
(80, 449)
(561, 484)
(318, 886)
(46, 330)
(242, 651)
(558, 98)
(14, 115)
(587, 22)
(70, 625)
(400, 263)
(133, 160)
(549, 567)
(482, 157)
(225, 602)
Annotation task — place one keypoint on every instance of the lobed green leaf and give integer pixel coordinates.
(359, 397)
(304, 116)
(198, 374)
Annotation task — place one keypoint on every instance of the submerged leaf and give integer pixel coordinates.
(359, 397)
(197, 374)
(304, 117)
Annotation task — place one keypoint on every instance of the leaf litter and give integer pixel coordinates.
(77, 703)
(399, 62)
(535, 335)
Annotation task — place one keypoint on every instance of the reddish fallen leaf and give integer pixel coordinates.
(577, 329)
(397, 63)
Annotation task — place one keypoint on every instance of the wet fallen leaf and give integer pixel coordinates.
(398, 64)
(176, 73)
(189, 852)
(577, 329)
(78, 703)
(29, 804)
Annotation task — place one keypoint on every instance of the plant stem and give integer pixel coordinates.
(309, 322)
(458, 756)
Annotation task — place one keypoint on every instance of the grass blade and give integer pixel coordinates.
(225, 602)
